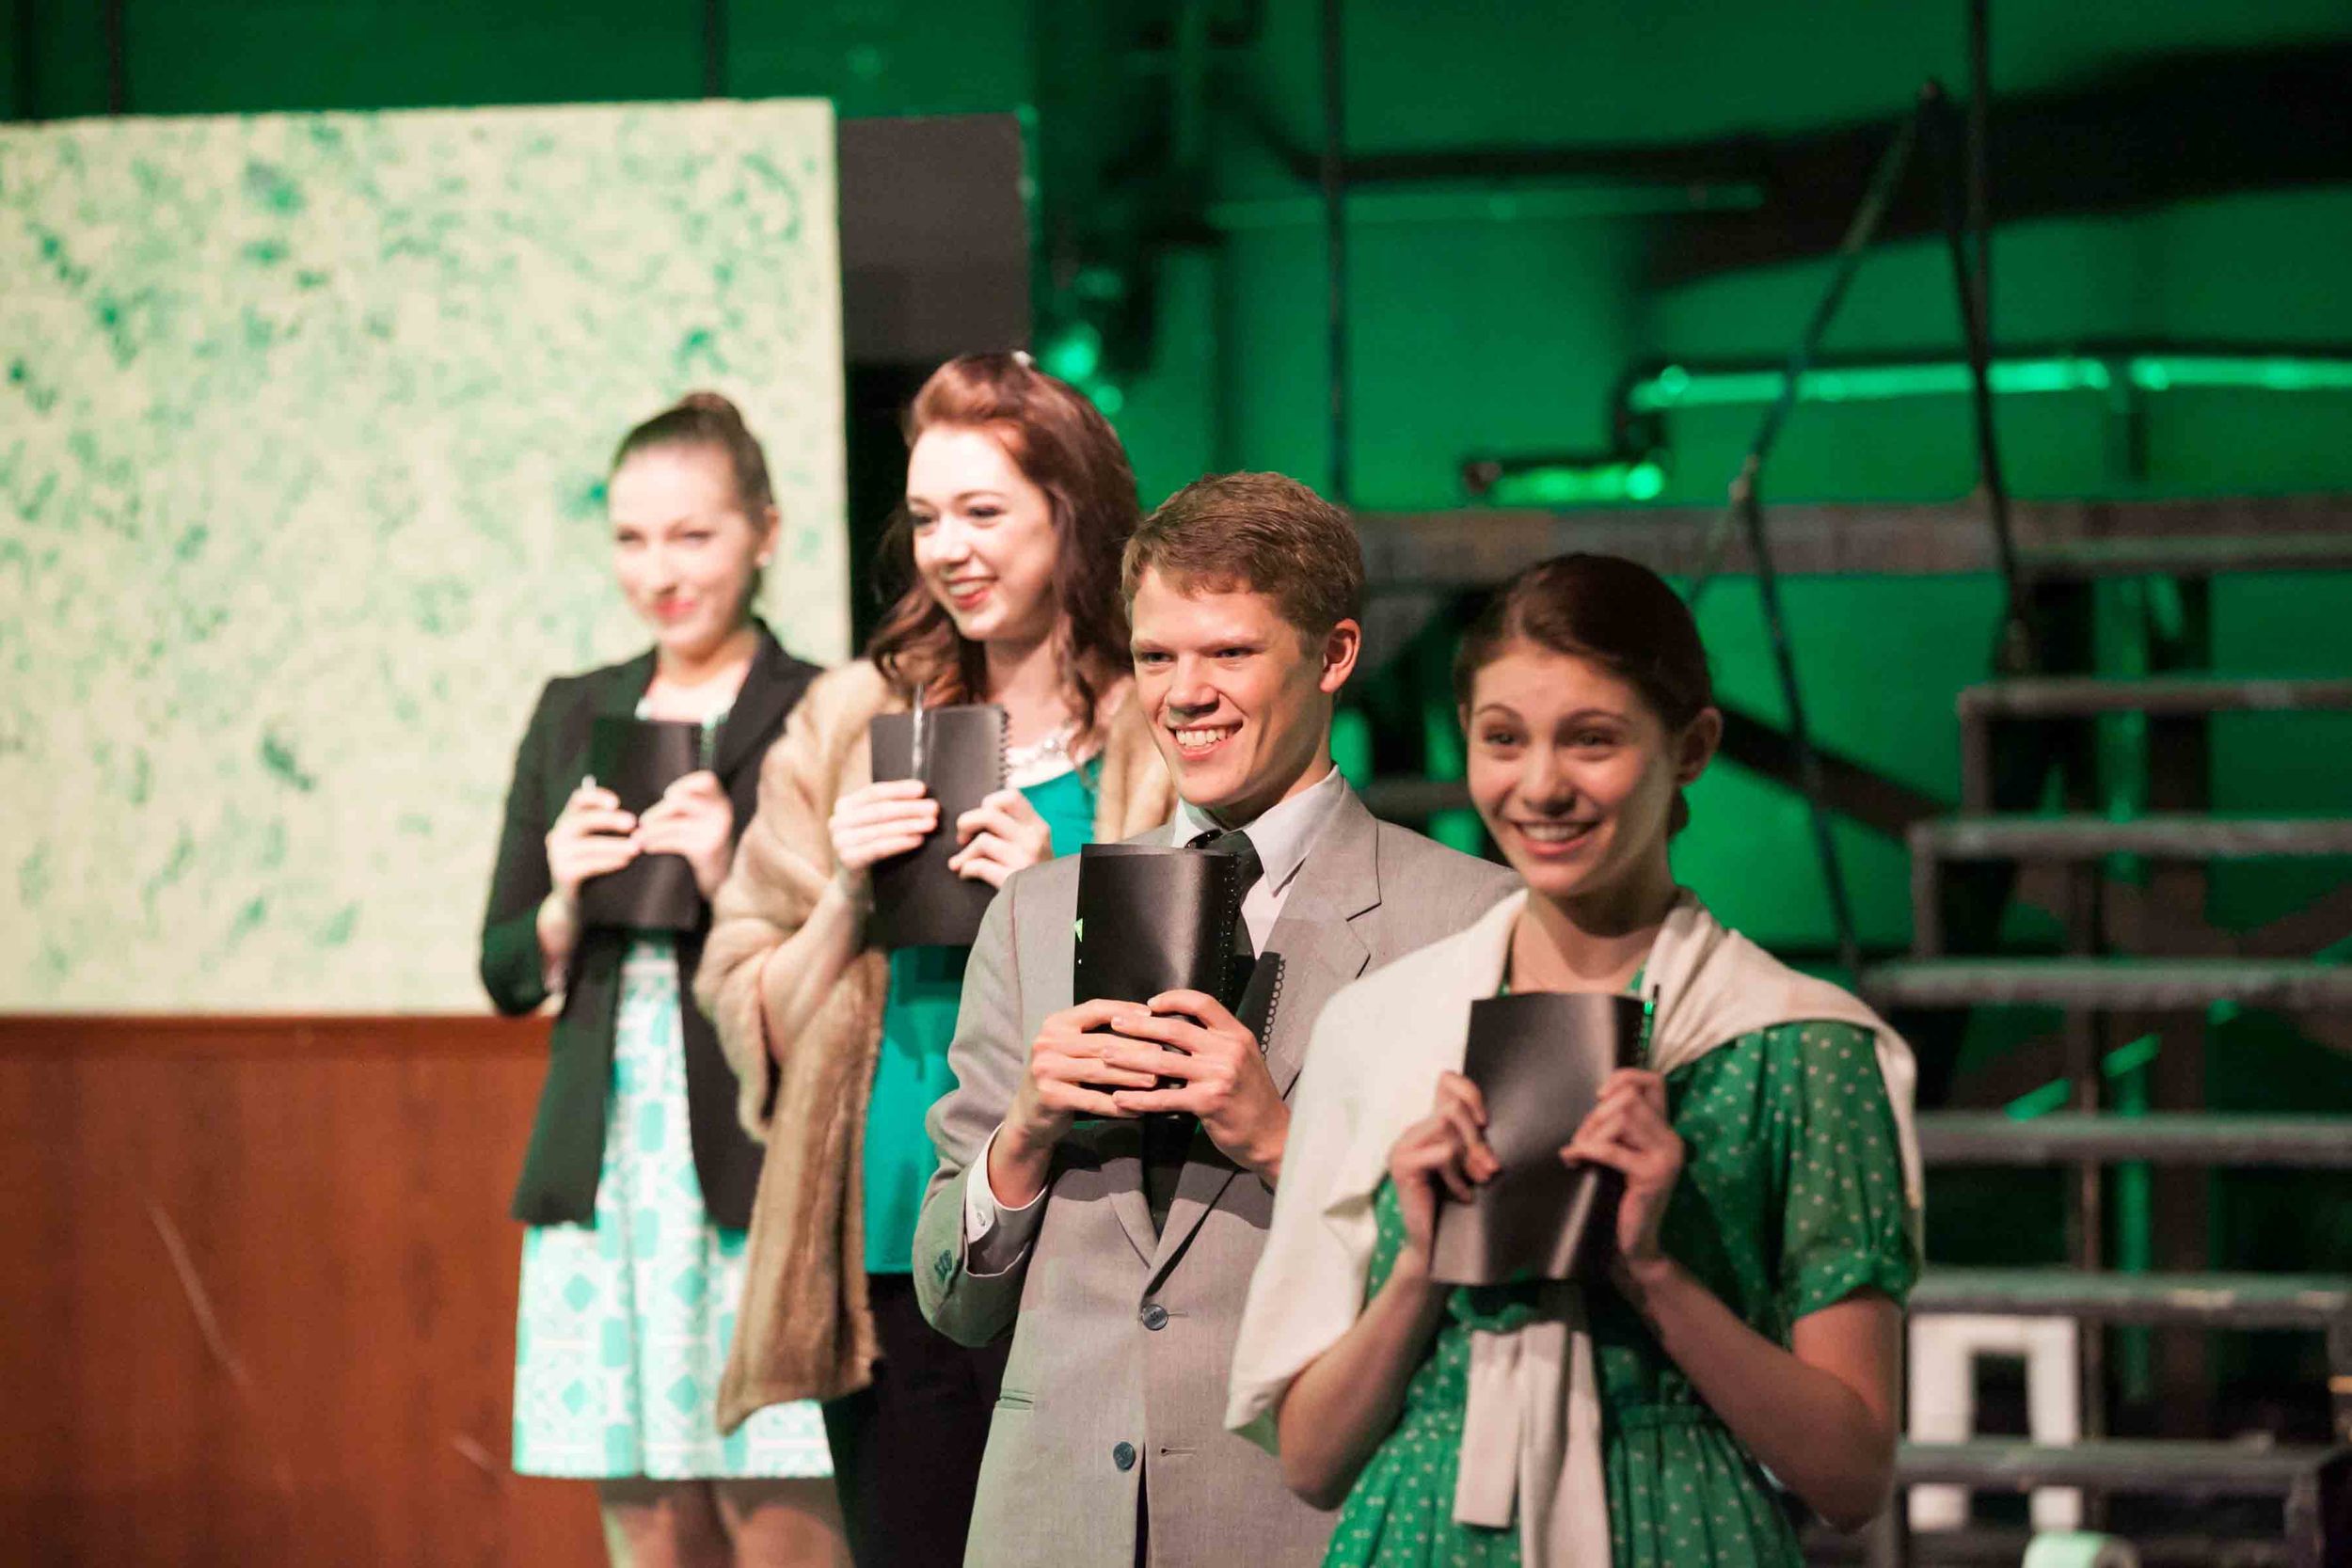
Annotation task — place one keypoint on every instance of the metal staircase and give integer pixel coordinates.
(2105, 990)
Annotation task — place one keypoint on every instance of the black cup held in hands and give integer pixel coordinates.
(959, 754)
(1539, 1059)
(636, 759)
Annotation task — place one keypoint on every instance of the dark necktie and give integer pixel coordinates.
(1234, 842)
(1168, 1135)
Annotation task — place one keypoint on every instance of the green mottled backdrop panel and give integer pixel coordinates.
(301, 447)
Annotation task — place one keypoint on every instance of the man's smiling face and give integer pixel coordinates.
(1240, 700)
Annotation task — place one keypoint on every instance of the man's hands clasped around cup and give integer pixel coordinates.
(1064, 1077)
(1108, 1058)
(1217, 1072)
(1068, 1072)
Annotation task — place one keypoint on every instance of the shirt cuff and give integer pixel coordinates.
(996, 1235)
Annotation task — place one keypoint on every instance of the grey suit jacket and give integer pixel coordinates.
(1121, 1339)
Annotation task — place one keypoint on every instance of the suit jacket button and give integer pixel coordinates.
(1154, 1317)
(1123, 1455)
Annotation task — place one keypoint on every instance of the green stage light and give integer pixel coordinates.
(2157, 373)
(1580, 483)
(2050, 1097)
(1351, 745)
(1678, 387)
(2120, 1064)
(1073, 352)
(2051, 375)
(2127, 1059)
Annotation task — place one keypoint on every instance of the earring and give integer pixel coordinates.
(767, 560)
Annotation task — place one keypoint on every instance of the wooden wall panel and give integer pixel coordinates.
(257, 1296)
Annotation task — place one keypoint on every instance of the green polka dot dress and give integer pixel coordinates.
(1790, 1199)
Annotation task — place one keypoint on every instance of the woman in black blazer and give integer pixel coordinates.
(638, 1182)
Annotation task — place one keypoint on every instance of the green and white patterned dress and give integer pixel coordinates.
(624, 1324)
(1791, 1200)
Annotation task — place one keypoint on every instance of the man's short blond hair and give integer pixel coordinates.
(1261, 533)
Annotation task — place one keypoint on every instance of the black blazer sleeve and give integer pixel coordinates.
(513, 970)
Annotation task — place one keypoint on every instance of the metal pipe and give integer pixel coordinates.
(1979, 154)
(1334, 171)
(2116, 368)
(2016, 652)
(714, 48)
(1521, 202)
(1189, 105)
(1859, 233)
(117, 60)
(1750, 511)
(26, 86)
(1746, 510)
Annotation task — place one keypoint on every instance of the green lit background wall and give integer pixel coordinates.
(2175, 173)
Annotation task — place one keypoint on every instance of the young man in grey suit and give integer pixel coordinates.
(1118, 1251)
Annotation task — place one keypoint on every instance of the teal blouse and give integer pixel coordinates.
(911, 1072)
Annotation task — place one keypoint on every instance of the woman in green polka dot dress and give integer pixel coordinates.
(1738, 1368)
